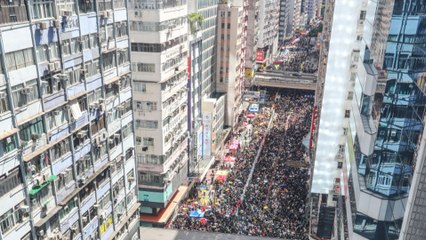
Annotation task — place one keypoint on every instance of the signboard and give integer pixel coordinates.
(260, 56)
(249, 72)
(251, 96)
(254, 107)
(207, 134)
(262, 98)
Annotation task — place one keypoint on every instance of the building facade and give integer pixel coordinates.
(231, 50)
(159, 41)
(67, 153)
(285, 20)
(268, 19)
(384, 130)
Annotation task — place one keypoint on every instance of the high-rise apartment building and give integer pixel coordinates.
(207, 9)
(384, 130)
(159, 43)
(268, 19)
(231, 50)
(252, 38)
(285, 20)
(66, 128)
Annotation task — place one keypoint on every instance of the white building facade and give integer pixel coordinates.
(67, 153)
(159, 36)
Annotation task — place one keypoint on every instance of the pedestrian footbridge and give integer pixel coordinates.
(279, 79)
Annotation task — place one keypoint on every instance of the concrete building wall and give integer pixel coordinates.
(159, 62)
(67, 154)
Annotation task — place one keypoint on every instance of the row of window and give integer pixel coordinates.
(157, 47)
(157, 26)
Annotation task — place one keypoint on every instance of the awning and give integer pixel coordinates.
(75, 111)
(37, 189)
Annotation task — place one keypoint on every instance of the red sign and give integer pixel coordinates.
(260, 56)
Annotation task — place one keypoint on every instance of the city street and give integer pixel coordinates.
(252, 191)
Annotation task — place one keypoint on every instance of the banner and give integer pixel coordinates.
(207, 134)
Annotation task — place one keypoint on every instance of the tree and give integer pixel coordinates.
(195, 22)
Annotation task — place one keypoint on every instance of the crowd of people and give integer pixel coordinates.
(274, 203)
(300, 58)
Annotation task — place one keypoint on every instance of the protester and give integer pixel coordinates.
(274, 204)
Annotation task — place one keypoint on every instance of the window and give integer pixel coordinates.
(19, 59)
(347, 113)
(146, 124)
(4, 106)
(139, 86)
(30, 130)
(64, 178)
(123, 56)
(93, 41)
(121, 29)
(74, 75)
(41, 197)
(83, 165)
(42, 9)
(22, 94)
(71, 205)
(56, 118)
(60, 149)
(108, 60)
(92, 68)
(148, 141)
(138, 139)
(41, 52)
(143, 67)
(12, 217)
(127, 130)
(85, 40)
(50, 85)
(86, 6)
(53, 51)
(10, 182)
(8, 144)
(37, 164)
(65, 6)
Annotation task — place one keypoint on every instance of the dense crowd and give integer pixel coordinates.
(301, 57)
(274, 203)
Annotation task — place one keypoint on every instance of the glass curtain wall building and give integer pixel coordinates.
(384, 175)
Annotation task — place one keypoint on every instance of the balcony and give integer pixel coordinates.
(90, 228)
(87, 202)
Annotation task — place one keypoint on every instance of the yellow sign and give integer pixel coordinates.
(249, 72)
(104, 226)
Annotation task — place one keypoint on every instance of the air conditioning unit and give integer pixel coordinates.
(56, 23)
(57, 64)
(96, 205)
(74, 228)
(67, 13)
(40, 233)
(82, 134)
(131, 179)
(25, 91)
(35, 136)
(393, 133)
(83, 71)
(110, 141)
(24, 209)
(51, 67)
(56, 112)
(104, 136)
(43, 25)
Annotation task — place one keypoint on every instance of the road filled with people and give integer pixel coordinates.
(299, 57)
(259, 189)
